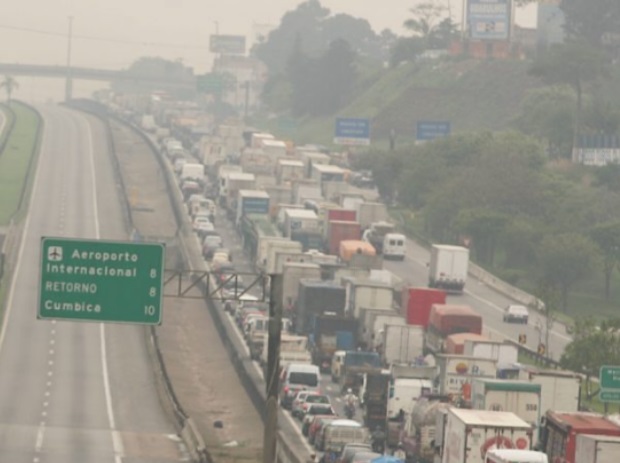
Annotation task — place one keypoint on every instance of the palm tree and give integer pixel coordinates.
(10, 85)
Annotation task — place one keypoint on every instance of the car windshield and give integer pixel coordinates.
(303, 378)
(317, 399)
(320, 410)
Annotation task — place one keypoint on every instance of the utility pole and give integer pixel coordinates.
(273, 369)
(69, 81)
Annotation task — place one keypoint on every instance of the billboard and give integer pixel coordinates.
(352, 131)
(489, 19)
(429, 130)
(227, 44)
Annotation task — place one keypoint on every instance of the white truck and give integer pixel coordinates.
(402, 343)
(503, 353)
(519, 397)
(379, 321)
(448, 267)
(251, 202)
(289, 169)
(233, 182)
(457, 370)
(262, 250)
(469, 434)
(367, 293)
(193, 171)
(366, 317)
(293, 349)
(277, 246)
(561, 390)
(369, 213)
(597, 449)
(297, 220)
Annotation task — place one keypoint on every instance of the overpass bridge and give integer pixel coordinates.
(104, 75)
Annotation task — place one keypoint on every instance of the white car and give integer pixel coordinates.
(516, 314)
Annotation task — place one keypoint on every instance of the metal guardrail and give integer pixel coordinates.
(8, 129)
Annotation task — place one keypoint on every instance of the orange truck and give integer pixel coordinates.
(348, 248)
(447, 319)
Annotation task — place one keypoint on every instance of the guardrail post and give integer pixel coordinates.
(273, 369)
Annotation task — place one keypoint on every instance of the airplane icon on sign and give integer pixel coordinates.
(54, 253)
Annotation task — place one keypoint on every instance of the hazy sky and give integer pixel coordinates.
(184, 23)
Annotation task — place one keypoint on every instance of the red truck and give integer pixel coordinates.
(560, 430)
(446, 319)
(340, 230)
(345, 215)
(416, 304)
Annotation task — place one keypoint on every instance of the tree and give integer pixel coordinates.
(548, 113)
(565, 259)
(591, 20)
(483, 226)
(575, 64)
(425, 20)
(592, 347)
(607, 236)
(10, 85)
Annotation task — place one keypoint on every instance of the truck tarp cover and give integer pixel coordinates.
(449, 319)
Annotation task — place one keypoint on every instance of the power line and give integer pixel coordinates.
(102, 39)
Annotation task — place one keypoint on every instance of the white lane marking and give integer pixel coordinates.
(40, 434)
(117, 444)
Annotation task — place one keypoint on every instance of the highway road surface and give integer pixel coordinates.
(488, 302)
(75, 392)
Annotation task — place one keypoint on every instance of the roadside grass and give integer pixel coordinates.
(9, 117)
(15, 161)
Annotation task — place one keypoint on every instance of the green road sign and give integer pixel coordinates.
(609, 377)
(609, 396)
(105, 281)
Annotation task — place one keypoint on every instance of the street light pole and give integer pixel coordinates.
(273, 369)
(69, 80)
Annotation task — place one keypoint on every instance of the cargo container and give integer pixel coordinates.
(458, 370)
(288, 257)
(366, 317)
(289, 169)
(561, 390)
(448, 267)
(258, 137)
(597, 449)
(369, 213)
(367, 293)
(252, 202)
(402, 344)
(348, 248)
(446, 319)
(416, 304)
(560, 432)
(312, 158)
(469, 434)
(234, 182)
(299, 220)
(256, 230)
(326, 173)
(377, 323)
(455, 343)
(314, 298)
(307, 190)
(504, 353)
(341, 214)
(274, 149)
(278, 194)
(338, 231)
(292, 273)
(519, 397)
(324, 337)
(279, 246)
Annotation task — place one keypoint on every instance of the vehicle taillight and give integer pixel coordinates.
(286, 389)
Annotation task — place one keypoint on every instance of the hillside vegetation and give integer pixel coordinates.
(473, 95)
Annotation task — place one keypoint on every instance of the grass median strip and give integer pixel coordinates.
(15, 160)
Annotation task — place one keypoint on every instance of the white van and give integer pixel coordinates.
(515, 456)
(339, 433)
(394, 246)
(296, 377)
